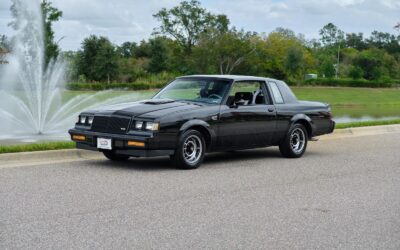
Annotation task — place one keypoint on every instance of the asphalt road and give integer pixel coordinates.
(343, 194)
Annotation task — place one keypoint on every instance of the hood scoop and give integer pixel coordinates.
(158, 101)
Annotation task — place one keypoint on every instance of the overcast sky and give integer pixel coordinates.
(131, 20)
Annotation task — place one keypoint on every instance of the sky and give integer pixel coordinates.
(132, 20)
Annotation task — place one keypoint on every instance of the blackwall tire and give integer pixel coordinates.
(295, 143)
(190, 151)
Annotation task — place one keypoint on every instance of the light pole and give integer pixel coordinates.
(338, 62)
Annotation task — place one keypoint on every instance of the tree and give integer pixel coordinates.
(222, 52)
(356, 72)
(187, 22)
(158, 55)
(331, 35)
(371, 63)
(294, 61)
(384, 40)
(127, 49)
(4, 43)
(288, 33)
(356, 41)
(50, 15)
(98, 59)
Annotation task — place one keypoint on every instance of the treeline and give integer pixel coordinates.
(191, 40)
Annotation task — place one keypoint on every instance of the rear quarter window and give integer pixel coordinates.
(276, 93)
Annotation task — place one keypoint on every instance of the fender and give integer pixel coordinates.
(298, 117)
(201, 123)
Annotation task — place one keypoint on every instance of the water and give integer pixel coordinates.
(32, 107)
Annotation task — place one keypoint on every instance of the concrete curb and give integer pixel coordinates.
(49, 157)
(70, 155)
(362, 131)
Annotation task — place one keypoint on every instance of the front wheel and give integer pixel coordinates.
(111, 155)
(190, 151)
(295, 143)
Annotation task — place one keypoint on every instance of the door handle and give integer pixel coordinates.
(271, 109)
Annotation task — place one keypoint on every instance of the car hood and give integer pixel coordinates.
(152, 108)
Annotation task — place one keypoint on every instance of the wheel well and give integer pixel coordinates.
(307, 125)
(204, 132)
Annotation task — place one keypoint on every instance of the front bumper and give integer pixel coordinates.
(120, 143)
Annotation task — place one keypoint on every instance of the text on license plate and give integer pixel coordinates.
(104, 143)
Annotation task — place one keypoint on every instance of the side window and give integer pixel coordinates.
(276, 93)
(246, 93)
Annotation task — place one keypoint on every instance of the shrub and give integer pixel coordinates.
(360, 83)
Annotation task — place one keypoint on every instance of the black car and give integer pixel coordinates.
(205, 113)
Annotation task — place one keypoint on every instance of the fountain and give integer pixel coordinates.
(32, 105)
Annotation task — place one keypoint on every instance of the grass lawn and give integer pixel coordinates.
(355, 102)
(352, 102)
(337, 96)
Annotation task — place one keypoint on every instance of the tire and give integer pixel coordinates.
(295, 143)
(190, 151)
(111, 155)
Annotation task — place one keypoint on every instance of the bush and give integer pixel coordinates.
(356, 72)
(360, 83)
(150, 82)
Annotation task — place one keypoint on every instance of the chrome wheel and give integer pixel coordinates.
(297, 140)
(192, 149)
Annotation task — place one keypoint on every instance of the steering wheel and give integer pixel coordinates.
(215, 96)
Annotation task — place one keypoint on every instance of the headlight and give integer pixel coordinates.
(153, 126)
(90, 120)
(82, 119)
(138, 125)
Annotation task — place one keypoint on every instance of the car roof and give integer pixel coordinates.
(231, 77)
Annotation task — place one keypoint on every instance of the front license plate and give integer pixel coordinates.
(104, 143)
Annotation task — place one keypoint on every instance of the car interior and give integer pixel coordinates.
(246, 98)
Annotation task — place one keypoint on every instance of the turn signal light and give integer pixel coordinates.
(136, 143)
(79, 137)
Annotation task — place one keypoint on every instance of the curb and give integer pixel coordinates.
(70, 155)
(48, 157)
(362, 131)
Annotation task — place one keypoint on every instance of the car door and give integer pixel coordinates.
(247, 125)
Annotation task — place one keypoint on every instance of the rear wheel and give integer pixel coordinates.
(295, 143)
(111, 155)
(190, 151)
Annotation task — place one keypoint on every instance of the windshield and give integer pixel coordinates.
(195, 90)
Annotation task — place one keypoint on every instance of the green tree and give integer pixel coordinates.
(4, 49)
(331, 35)
(356, 72)
(222, 52)
(158, 55)
(327, 68)
(187, 22)
(127, 49)
(50, 15)
(371, 62)
(356, 41)
(98, 59)
(294, 61)
(4, 43)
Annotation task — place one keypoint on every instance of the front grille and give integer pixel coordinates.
(112, 125)
(100, 124)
